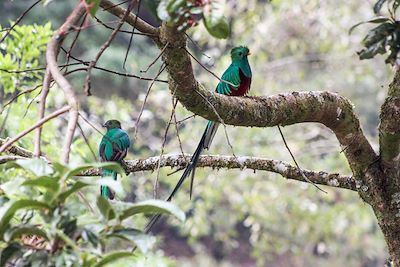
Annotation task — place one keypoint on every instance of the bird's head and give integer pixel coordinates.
(111, 124)
(239, 53)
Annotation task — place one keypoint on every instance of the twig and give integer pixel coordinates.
(18, 20)
(295, 162)
(197, 46)
(115, 72)
(74, 41)
(208, 70)
(141, 25)
(104, 47)
(185, 119)
(90, 124)
(162, 147)
(87, 142)
(3, 124)
(30, 103)
(155, 60)
(162, 68)
(177, 131)
(42, 107)
(112, 6)
(131, 37)
(122, 31)
(51, 57)
(33, 127)
(27, 91)
(37, 69)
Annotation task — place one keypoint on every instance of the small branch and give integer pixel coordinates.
(51, 57)
(131, 37)
(115, 72)
(162, 68)
(132, 20)
(5, 159)
(230, 162)
(56, 113)
(104, 47)
(42, 107)
(155, 60)
(295, 161)
(18, 151)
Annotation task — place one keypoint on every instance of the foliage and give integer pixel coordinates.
(384, 38)
(21, 51)
(185, 14)
(44, 223)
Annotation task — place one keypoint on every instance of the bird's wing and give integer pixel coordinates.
(232, 76)
(120, 145)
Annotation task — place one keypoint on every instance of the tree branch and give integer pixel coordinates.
(42, 109)
(136, 22)
(56, 113)
(19, 151)
(389, 128)
(51, 57)
(330, 109)
(230, 162)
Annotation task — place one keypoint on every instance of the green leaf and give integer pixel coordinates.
(76, 187)
(142, 241)
(45, 182)
(214, 20)
(94, 6)
(18, 231)
(8, 253)
(113, 257)
(374, 20)
(91, 237)
(174, 5)
(153, 206)
(105, 208)
(35, 165)
(12, 208)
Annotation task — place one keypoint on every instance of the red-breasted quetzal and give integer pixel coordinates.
(235, 81)
(113, 147)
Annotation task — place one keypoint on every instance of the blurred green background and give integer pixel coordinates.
(237, 217)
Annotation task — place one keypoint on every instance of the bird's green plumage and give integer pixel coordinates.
(113, 147)
(232, 73)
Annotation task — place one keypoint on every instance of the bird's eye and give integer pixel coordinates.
(240, 53)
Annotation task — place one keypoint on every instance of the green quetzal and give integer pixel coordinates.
(113, 147)
(235, 81)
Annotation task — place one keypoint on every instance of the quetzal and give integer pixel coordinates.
(113, 147)
(235, 81)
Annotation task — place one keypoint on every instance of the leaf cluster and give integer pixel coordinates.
(185, 14)
(20, 51)
(42, 222)
(384, 38)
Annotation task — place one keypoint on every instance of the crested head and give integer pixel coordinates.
(111, 124)
(239, 53)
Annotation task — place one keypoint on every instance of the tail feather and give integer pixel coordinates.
(204, 143)
(211, 130)
(105, 191)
